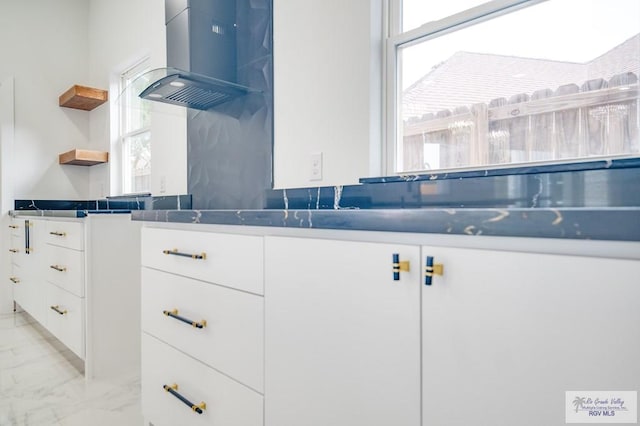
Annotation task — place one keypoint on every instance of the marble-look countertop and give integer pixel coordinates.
(64, 213)
(618, 223)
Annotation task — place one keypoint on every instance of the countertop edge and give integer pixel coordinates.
(611, 223)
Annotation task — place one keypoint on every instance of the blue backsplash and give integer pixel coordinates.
(229, 148)
(611, 183)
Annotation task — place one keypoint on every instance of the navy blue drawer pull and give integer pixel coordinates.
(175, 252)
(173, 390)
(174, 314)
(431, 269)
(399, 266)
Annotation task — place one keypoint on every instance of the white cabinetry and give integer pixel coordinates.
(506, 334)
(203, 328)
(80, 279)
(496, 340)
(342, 336)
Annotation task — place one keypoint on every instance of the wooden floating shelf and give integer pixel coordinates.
(83, 157)
(82, 97)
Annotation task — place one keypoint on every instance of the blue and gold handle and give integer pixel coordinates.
(431, 269)
(174, 314)
(173, 390)
(399, 266)
(175, 252)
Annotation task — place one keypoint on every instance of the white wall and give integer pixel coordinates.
(6, 187)
(121, 32)
(44, 47)
(327, 65)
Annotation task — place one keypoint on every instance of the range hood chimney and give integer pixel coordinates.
(201, 55)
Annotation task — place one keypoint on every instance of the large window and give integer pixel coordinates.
(135, 134)
(475, 84)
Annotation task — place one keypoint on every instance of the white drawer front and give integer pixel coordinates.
(16, 227)
(232, 341)
(228, 403)
(65, 268)
(16, 247)
(28, 293)
(229, 260)
(67, 321)
(66, 234)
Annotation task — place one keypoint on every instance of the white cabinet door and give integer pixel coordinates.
(505, 335)
(26, 267)
(342, 338)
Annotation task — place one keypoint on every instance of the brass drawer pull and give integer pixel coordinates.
(174, 314)
(58, 268)
(431, 269)
(58, 234)
(173, 390)
(14, 280)
(175, 252)
(14, 250)
(57, 309)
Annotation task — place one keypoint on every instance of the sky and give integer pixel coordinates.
(563, 30)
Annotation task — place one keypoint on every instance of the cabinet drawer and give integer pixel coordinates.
(28, 293)
(229, 260)
(228, 403)
(231, 341)
(16, 247)
(66, 322)
(65, 268)
(66, 234)
(16, 227)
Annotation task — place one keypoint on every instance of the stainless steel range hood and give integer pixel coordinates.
(201, 55)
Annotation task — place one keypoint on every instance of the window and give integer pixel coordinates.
(135, 134)
(511, 82)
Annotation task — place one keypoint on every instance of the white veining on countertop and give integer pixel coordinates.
(337, 195)
(534, 199)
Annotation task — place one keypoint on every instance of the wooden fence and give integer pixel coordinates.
(598, 118)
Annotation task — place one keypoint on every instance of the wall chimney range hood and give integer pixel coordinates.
(201, 55)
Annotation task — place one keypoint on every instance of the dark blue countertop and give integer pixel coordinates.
(619, 224)
(110, 205)
(597, 200)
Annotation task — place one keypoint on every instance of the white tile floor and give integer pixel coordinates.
(40, 386)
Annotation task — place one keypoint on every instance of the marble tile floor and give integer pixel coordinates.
(41, 383)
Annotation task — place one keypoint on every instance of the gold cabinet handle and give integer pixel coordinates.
(431, 269)
(173, 390)
(195, 324)
(58, 268)
(14, 250)
(57, 309)
(58, 234)
(175, 252)
(14, 280)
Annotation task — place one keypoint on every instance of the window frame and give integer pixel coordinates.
(395, 39)
(125, 79)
